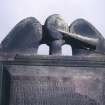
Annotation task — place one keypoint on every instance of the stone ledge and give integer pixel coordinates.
(66, 61)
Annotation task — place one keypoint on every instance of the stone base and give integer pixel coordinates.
(52, 80)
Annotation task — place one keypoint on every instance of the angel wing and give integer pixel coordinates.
(24, 38)
(84, 28)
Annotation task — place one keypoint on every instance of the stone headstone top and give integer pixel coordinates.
(28, 34)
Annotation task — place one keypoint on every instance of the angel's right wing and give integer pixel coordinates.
(25, 37)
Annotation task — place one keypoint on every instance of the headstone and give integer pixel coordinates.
(29, 79)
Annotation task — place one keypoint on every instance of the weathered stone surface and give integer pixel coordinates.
(52, 80)
(85, 29)
(28, 34)
(71, 81)
(53, 36)
(24, 38)
(1, 73)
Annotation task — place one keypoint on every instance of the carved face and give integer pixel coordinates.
(56, 22)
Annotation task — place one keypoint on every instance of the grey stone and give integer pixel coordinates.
(1, 73)
(53, 23)
(85, 29)
(42, 80)
(27, 35)
(24, 38)
(52, 80)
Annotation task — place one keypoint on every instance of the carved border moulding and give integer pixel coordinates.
(45, 60)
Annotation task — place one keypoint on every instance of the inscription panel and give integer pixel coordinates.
(49, 85)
